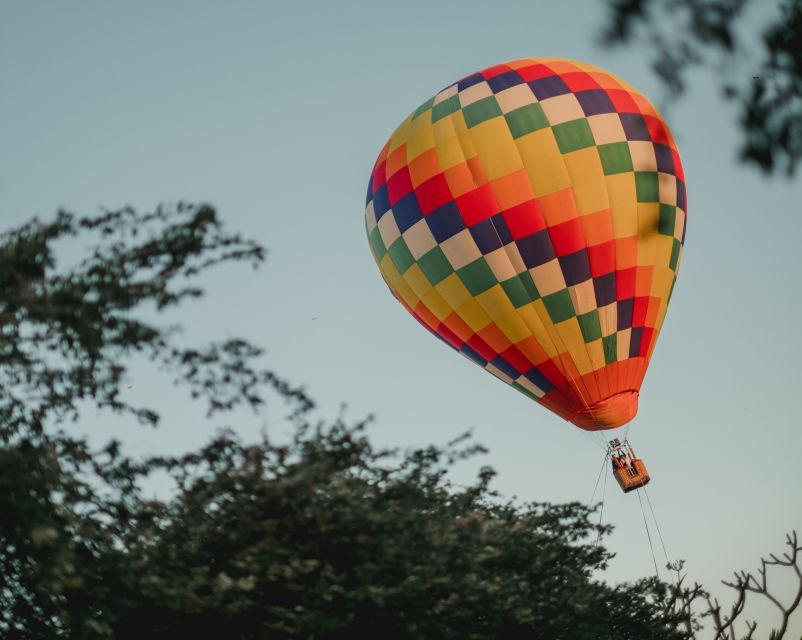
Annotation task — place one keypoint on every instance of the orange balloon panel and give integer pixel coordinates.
(532, 216)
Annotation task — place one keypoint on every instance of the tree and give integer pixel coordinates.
(65, 338)
(320, 537)
(682, 34)
(328, 538)
(725, 622)
(323, 536)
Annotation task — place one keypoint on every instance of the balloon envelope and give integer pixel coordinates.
(532, 217)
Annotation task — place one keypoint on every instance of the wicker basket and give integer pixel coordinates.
(628, 481)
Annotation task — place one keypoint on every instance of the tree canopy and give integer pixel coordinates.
(321, 536)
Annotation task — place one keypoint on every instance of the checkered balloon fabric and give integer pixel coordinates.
(532, 216)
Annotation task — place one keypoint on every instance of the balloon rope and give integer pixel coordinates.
(597, 439)
(601, 511)
(648, 535)
(656, 524)
(604, 464)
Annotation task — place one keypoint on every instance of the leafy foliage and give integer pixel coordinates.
(320, 537)
(683, 34)
(323, 537)
(64, 335)
(328, 538)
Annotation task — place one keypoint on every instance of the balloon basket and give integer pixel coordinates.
(630, 472)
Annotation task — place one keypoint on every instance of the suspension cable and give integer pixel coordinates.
(601, 471)
(601, 511)
(595, 437)
(657, 525)
(648, 535)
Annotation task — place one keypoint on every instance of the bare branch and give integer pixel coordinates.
(746, 582)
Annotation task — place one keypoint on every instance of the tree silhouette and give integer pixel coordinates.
(322, 536)
(319, 537)
(696, 604)
(761, 74)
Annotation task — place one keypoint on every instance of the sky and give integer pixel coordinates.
(275, 112)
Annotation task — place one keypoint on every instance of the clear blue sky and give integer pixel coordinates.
(275, 113)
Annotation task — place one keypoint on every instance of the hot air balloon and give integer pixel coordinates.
(532, 216)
